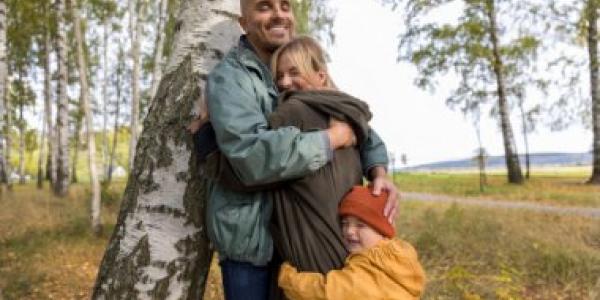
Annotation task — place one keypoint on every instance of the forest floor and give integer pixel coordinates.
(469, 252)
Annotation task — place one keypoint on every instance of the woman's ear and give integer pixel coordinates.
(323, 78)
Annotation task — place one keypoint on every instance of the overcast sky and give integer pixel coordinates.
(410, 120)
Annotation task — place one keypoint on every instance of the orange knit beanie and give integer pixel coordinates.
(361, 203)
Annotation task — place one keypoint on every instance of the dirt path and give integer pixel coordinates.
(508, 204)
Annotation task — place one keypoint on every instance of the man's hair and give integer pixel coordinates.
(306, 54)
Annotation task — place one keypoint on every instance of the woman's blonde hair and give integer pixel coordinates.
(306, 54)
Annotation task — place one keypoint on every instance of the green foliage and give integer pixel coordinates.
(314, 17)
(464, 47)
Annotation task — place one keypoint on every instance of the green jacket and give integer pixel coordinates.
(241, 94)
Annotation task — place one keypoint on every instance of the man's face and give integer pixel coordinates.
(267, 23)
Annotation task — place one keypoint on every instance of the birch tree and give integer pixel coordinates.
(3, 80)
(135, 28)
(488, 55)
(159, 247)
(576, 24)
(591, 14)
(159, 46)
(62, 114)
(48, 124)
(118, 75)
(88, 117)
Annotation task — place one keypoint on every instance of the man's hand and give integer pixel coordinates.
(340, 134)
(196, 124)
(381, 182)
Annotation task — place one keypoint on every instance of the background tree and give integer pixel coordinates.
(89, 123)
(62, 115)
(591, 13)
(575, 26)
(3, 80)
(483, 51)
(21, 96)
(136, 8)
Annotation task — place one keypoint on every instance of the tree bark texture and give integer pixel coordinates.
(134, 34)
(159, 248)
(89, 121)
(21, 140)
(510, 153)
(159, 46)
(592, 16)
(62, 114)
(3, 81)
(105, 100)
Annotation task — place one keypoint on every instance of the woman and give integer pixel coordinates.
(305, 223)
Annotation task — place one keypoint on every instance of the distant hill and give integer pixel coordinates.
(536, 159)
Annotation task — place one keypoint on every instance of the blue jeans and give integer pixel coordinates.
(245, 281)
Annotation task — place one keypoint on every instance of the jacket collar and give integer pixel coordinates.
(247, 56)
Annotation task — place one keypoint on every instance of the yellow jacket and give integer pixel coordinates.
(389, 270)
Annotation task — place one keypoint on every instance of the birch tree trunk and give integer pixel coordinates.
(111, 158)
(7, 136)
(134, 33)
(159, 248)
(592, 16)
(105, 99)
(21, 140)
(510, 153)
(159, 46)
(525, 139)
(40, 172)
(62, 114)
(3, 80)
(77, 144)
(89, 124)
(51, 157)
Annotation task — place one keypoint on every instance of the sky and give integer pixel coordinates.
(412, 121)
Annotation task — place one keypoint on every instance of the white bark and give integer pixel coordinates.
(62, 114)
(89, 124)
(105, 99)
(134, 33)
(50, 130)
(159, 248)
(21, 143)
(3, 80)
(159, 46)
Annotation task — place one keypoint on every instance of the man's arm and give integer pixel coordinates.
(257, 154)
(374, 159)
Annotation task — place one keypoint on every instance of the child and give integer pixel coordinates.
(379, 266)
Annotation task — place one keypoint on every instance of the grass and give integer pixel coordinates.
(473, 253)
(549, 186)
(48, 252)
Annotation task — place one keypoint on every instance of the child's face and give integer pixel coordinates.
(290, 78)
(358, 235)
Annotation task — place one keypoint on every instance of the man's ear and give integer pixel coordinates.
(242, 22)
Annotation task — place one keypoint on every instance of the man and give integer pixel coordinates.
(241, 93)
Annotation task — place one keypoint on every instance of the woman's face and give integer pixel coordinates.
(290, 78)
(359, 236)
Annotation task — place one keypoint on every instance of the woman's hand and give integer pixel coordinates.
(340, 134)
